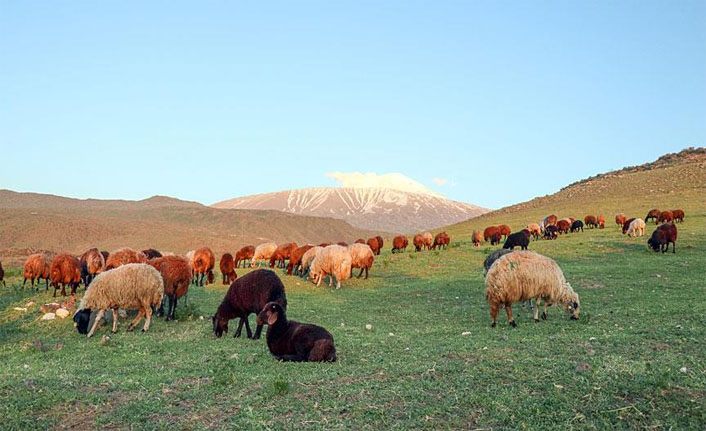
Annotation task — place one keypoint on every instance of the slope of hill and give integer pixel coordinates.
(30, 221)
(371, 208)
(676, 180)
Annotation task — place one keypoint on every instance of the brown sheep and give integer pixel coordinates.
(653, 214)
(418, 242)
(626, 224)
(92, 263)
(504, 230)
(564, 225)
(243, 255)
(381, 243)
(124, 256)
(65, 270)
(495, 238)
(441, 240)
(601, 221)
(678, 215)
(342, 243)
(295, 260)
(37, 267)
(620, 219)
(550, 220)
(665, 217)
(428, 240)
(359, 241)
(590, 221)
(361, 257)
(176, 275)
(477, 238)
(662, 236)
(227, 265)
(374, 245)
(204, 262)
(399, 244)
(282, 253)
(489, 232)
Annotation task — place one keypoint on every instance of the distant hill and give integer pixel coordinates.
(32, 221)
(373, 208)
(676, 180)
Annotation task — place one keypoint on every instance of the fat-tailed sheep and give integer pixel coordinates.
(477, 238)
(636, 228)
(263, 252)
(176, 275)
(37, 267)
(204, 262)
(362, 257)
(334, 261)
(65, 270)
(124, 256)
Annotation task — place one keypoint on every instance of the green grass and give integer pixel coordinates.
(643, 320)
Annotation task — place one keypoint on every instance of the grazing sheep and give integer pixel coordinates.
(334, 261)
(123, 256)
(227, 266)
(151, 253)
(665, 217)
(492, 257)
(362, 257)
(551, 232)
(203, 263)
(243, 255)
(428, 239)
(577, 225)
(477, 238)
(563, 225)
(176, 276)
(504, 230)
(359, 241)
(92, 263)
(678, 215)
(626, 224)
(550, 220)
(381, 243)
(489, 232)
(495, 238)
(374, 245)
(129, 286)
(342, 243)
(37, 267)
(590, 221)
(262, 252)
(282, 252)
(535, 230)
(636, 228)
(307, 258)
(399, 244)
(525, 275)
(441, 240)
(662, 236)
(190, 258)
(324, 244)
(601, 221)
(65, 270)
(293, 341)
(418, 242)
(652, 214)
(620, 219)
(518, 239)
(2, 275)
(295, 260)
(105, 255)
(247, 295)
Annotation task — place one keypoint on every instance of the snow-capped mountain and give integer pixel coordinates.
(375, 208)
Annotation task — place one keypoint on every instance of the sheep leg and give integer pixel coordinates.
(536, 309)
(510, 320)
(136, 320)
(171, 311)
(148, 318)
(544, 313)
(25, 281)
(239, 330)
(115, 321)
(361, 272)
(99, 316)
(493, 314)
(247, 327)
(258, 331)
(366, 272)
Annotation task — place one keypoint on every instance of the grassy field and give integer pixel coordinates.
(636, 359)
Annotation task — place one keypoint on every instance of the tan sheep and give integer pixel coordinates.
(362, 257)
(428, 239)
(307, 258)
(124, 256)
(636, 228)
(477, 238)
(334, 261)
(263, 252)
(525, 275)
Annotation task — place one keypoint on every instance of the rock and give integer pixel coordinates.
(683, 369)
(19, 309)
(105, 340)
(369, 327)
(122, 313)
(62, 313)
(466, 333)
(49, 308)
(49, 316)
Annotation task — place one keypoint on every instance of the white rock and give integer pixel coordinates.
(200, 317)
(62, 313)
(592, 339)
(466, 333)
(683, 369)
(391, 334)
(369, 327)
(19, 309)
(49, 316)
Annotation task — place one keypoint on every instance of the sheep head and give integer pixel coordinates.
(81, 320)
(220, 325)
(571, 303)
(270, 314)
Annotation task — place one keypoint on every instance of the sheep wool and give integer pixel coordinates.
(263, 252)
(334, 261)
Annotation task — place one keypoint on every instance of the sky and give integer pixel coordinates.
(485, 102)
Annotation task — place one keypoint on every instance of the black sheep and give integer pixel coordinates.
(577, 225)
(293, 341)
(246, 295)
(492, 257)
(551, 232)
(151, 253)
(517, 239)
(495, 238)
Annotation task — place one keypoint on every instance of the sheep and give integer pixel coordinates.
(359, 241)
(307, 258)
(492, 257)
(129, 286)
(399, 244)
(535, 230)
(342, 243)
(418, 242)
(334, 261)
(662, 236)
(678, 215)
(65, 270)
(428, 240)
(601, 221)
(203, 263)
(578, 225)
(362, 257)
(92, 263)
(105, 255)
(626, 224)
(441, 240)
(124, 256)
(489, 232)
(248, 294)
(477, 238)
(288, 340)
(374, 245)
(2, 275)
(227, 266)
(243, 255)
(620, 219)
(190, 257)
(551, 232)
(295, 260)
(525, 275)
(282, 252)
(653, 214)
(176, 276)
(381, 243)
(504, 230)
(37, 267)
(563, 225)
(324, 244)
(262, 252)
(590, 221)
(636, 228)
(495, 238)
(151, 253)
(550, 220)
(665, 217)
(518, 239)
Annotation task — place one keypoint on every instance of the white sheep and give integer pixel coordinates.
(334, 261)
(263, 252)
(636, 228)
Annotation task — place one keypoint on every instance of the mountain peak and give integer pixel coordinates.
(371, 180)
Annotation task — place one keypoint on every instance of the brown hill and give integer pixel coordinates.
(31, 221)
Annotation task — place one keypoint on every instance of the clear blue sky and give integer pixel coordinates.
(211, 100)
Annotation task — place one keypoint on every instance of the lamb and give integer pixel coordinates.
(262, 252)
(620, 219)
(295, 260)
(37, 267)
(399, 244)
(636, 228)
(678, 215)
(243, 255)
(525, 275)
(590, 221)
(248, 294)
(578, 225)
(662, 236)
(334, 261)
(282, 252)
(563, 225)
(227, 266)
(441, 240)
(489, 232)
(653, 214)
(626, 224)
(504, 230)
(601, 221)
(307, 258)
(665, 217)
(65, 270)
(92, 263)
(151, 253)
(203, 263)
(176, 276)
(381, 243)
(374, 245)
(477, 238)
(535, 230)
(288, 340)
(518, 239)
(124, 256)
(551, 232)
(492, 257)
(129, 286)
(362, 257)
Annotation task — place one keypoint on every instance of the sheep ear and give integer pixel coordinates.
(271, 318)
